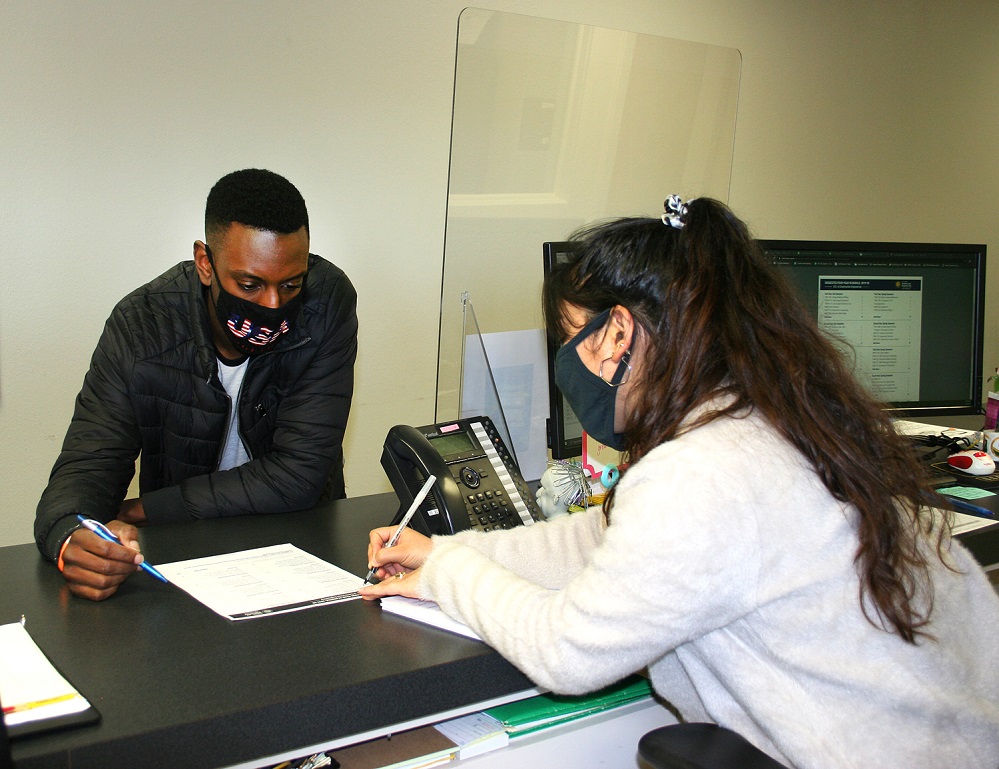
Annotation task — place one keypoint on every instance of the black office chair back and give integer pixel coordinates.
(702, 746)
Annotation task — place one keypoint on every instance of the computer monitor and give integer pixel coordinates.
(911, 314)
(565, 433)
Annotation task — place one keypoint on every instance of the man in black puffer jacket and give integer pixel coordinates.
(230, 376)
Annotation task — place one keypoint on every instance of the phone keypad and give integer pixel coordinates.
(492, 510)
(489, 507)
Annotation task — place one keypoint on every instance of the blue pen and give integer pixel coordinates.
(104, 532)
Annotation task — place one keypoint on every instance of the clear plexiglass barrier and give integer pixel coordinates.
(556, 125)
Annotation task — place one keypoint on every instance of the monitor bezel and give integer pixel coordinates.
(561, 446)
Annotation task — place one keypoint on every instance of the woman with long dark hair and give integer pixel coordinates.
(772, 554)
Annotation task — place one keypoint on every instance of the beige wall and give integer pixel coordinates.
(857, 120)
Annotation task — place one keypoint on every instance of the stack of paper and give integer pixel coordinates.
(427, 746)
(474, 734)
(413, 749)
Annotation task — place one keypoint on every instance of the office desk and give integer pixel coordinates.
(983, 544)
(179, 686)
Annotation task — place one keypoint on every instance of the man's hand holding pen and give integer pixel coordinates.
(398, 566)
(94, 567)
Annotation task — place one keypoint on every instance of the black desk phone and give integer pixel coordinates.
(478, 484)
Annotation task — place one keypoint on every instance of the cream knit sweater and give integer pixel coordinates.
(727, 570)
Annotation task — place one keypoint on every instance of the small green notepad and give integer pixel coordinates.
(544, 710)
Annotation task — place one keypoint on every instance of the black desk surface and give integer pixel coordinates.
(983, 543)
(179, 686)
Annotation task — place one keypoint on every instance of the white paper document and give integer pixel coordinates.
(963, 523)
(31, 689)
(474, 734)
(263, 581)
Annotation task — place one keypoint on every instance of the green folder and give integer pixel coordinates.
(544, 710)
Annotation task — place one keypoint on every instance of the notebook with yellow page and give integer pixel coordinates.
(34, 695)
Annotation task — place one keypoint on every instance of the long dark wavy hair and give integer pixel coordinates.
(719, 319)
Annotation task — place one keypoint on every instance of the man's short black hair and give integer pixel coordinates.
(257, 198)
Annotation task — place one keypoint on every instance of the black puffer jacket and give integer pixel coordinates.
(152, 388)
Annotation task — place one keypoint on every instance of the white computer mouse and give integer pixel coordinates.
(972, 462)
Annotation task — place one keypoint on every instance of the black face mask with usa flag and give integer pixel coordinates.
(250, 328)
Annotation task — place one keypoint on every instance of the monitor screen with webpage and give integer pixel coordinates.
(911, 316)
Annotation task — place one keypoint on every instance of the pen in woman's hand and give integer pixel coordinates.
(417, 501)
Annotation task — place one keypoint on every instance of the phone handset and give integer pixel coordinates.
(408, 460)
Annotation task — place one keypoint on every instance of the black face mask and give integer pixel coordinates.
(250, 328)
(591, 397)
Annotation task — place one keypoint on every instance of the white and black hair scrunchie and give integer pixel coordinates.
(675, 212)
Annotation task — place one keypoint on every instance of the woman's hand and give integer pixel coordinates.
(405, 583)
(394, 565)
